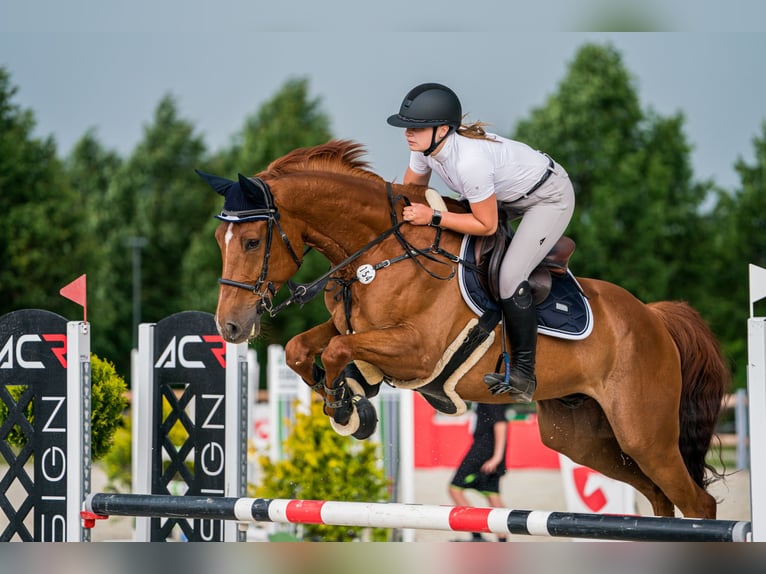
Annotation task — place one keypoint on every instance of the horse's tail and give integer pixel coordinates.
(705, 378)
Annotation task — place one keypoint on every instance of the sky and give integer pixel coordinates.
(106, 64)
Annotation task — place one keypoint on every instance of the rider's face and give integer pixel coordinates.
(419, 139)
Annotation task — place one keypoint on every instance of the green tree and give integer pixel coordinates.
(289, 120)
(153, 195)
(91, 169)
(42, 236)
(638, 220)
(740, 239)
(169, 208)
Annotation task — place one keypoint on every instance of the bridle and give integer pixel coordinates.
(271, 215)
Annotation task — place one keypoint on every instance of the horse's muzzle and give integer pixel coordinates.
(234, 331)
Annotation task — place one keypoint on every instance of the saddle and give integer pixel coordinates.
(490, 250)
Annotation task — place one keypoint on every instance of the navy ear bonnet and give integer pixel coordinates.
(248, 199)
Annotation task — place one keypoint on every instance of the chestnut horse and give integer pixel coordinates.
(637, 399)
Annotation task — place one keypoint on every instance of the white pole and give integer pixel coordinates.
(235, 447)
(756, 385)
(78, 423)
(407, 454)
(740, 423)
(142, 385)
(274, 358)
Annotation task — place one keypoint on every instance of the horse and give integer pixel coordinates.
(636, 400)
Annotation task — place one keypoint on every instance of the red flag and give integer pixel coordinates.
(77, 291)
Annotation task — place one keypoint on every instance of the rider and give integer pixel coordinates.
(487, 169)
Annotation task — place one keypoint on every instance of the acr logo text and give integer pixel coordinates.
(16, 350)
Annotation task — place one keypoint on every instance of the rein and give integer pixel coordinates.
(303, 293)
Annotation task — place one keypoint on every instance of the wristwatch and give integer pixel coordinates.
(436, 218)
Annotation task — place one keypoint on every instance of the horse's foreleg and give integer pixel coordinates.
(386, 349)
(340, 402)
(301, 350)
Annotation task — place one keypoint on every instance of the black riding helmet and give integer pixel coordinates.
(429, 105)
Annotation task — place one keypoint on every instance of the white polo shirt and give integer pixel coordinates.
(477, 168)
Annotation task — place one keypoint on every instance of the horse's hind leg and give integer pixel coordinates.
(666, 466)
(648, 431)
(584, 435)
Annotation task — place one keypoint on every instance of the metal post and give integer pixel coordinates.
(78, 437)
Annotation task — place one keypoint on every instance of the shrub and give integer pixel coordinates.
(320, 464)
(116, 463)
(107, 403)
(16, 436)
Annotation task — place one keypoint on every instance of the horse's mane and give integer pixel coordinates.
(336, 156)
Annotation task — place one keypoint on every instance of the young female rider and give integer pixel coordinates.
(487, 169)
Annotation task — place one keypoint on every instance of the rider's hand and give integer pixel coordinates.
(418, 214)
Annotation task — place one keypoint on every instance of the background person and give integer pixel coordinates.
(484, 463)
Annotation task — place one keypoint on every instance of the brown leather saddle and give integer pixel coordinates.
(489, 252)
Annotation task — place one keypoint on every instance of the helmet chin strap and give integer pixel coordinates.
(434, 143)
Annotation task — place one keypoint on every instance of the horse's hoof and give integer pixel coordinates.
(368, 417)
(341, 415)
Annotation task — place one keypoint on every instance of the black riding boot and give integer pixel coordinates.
(520, 319)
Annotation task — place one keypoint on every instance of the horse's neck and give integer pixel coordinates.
(341, 214)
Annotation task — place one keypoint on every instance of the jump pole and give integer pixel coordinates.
(419, 516)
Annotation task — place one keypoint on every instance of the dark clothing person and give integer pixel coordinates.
(484, 463)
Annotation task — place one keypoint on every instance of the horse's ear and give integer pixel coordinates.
(256, 189)
(219, 184)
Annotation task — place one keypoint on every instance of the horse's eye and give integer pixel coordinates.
(251, 244)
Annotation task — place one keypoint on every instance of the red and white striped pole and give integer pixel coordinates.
(419, 516)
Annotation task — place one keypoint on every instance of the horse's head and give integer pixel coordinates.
(250, 277)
